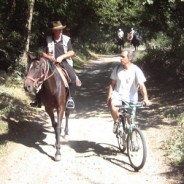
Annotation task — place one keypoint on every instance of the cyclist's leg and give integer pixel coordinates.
(115, 100)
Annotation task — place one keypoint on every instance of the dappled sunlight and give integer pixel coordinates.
(32, 127)
(91, 97)
(90, 103)
(26, 125)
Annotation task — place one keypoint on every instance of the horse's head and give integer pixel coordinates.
(37, 71)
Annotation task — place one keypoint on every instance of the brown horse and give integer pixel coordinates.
(44, 77)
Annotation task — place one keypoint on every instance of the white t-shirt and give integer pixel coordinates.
(127, 82)
(120, 34)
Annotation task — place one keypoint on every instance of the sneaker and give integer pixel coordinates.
(115, 127)
(35, 104)
(70, 104)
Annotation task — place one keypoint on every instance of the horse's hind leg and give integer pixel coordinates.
(67, 113)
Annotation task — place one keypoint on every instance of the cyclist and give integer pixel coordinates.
(126, 79)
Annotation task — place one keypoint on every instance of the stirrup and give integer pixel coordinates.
(70, 104)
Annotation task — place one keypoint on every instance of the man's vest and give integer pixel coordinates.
(51, 47)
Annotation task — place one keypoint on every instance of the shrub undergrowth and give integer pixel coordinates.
(175, 145)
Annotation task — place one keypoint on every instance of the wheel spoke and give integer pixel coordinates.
(121, 137)
(137, 149)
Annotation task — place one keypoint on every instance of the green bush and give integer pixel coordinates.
(175, 144)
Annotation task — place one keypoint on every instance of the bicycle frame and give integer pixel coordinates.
(126, 139)
(127, 118)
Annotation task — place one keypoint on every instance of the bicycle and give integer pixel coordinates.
(130, 137)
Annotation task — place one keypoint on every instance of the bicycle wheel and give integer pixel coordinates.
(121, 137)
(137, 151)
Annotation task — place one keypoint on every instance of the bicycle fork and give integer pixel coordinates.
(134, 145)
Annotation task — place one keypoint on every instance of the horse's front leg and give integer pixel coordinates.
(60, 112)
(67, 113)
(51, 115)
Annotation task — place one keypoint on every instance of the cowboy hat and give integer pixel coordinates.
(57, 25)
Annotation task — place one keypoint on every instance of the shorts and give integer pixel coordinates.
(116, 100)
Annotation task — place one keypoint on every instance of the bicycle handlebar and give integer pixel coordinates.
(127, 105)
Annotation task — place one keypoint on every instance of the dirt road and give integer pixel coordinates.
(90, 154)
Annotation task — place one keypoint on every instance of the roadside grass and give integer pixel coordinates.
(175, 145)
(162, 69)
(13, 107)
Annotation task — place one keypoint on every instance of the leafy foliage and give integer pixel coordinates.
(176, 144)
(90, 22)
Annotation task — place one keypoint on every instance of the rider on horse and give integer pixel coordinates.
(59, 49)
(120, 38)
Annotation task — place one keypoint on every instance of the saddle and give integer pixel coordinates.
(64, 75)
(67, 77)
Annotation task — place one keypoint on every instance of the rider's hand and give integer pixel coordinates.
(59, 59)
(51, 58)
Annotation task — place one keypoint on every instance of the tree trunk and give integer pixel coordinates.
(28, 32)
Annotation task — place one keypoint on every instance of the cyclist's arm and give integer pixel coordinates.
(110, 90)
(144, 93)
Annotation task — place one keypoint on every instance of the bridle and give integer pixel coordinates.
(44, 74)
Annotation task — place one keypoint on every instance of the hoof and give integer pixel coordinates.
(57, 157)
(62, 132)
(66, 137)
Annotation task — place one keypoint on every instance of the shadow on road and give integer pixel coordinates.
(91, 102)
(91, 97)
(105, 151)
(28, 133)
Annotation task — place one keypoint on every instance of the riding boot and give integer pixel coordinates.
(70, 102)
(72, 87)
(37, 102)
